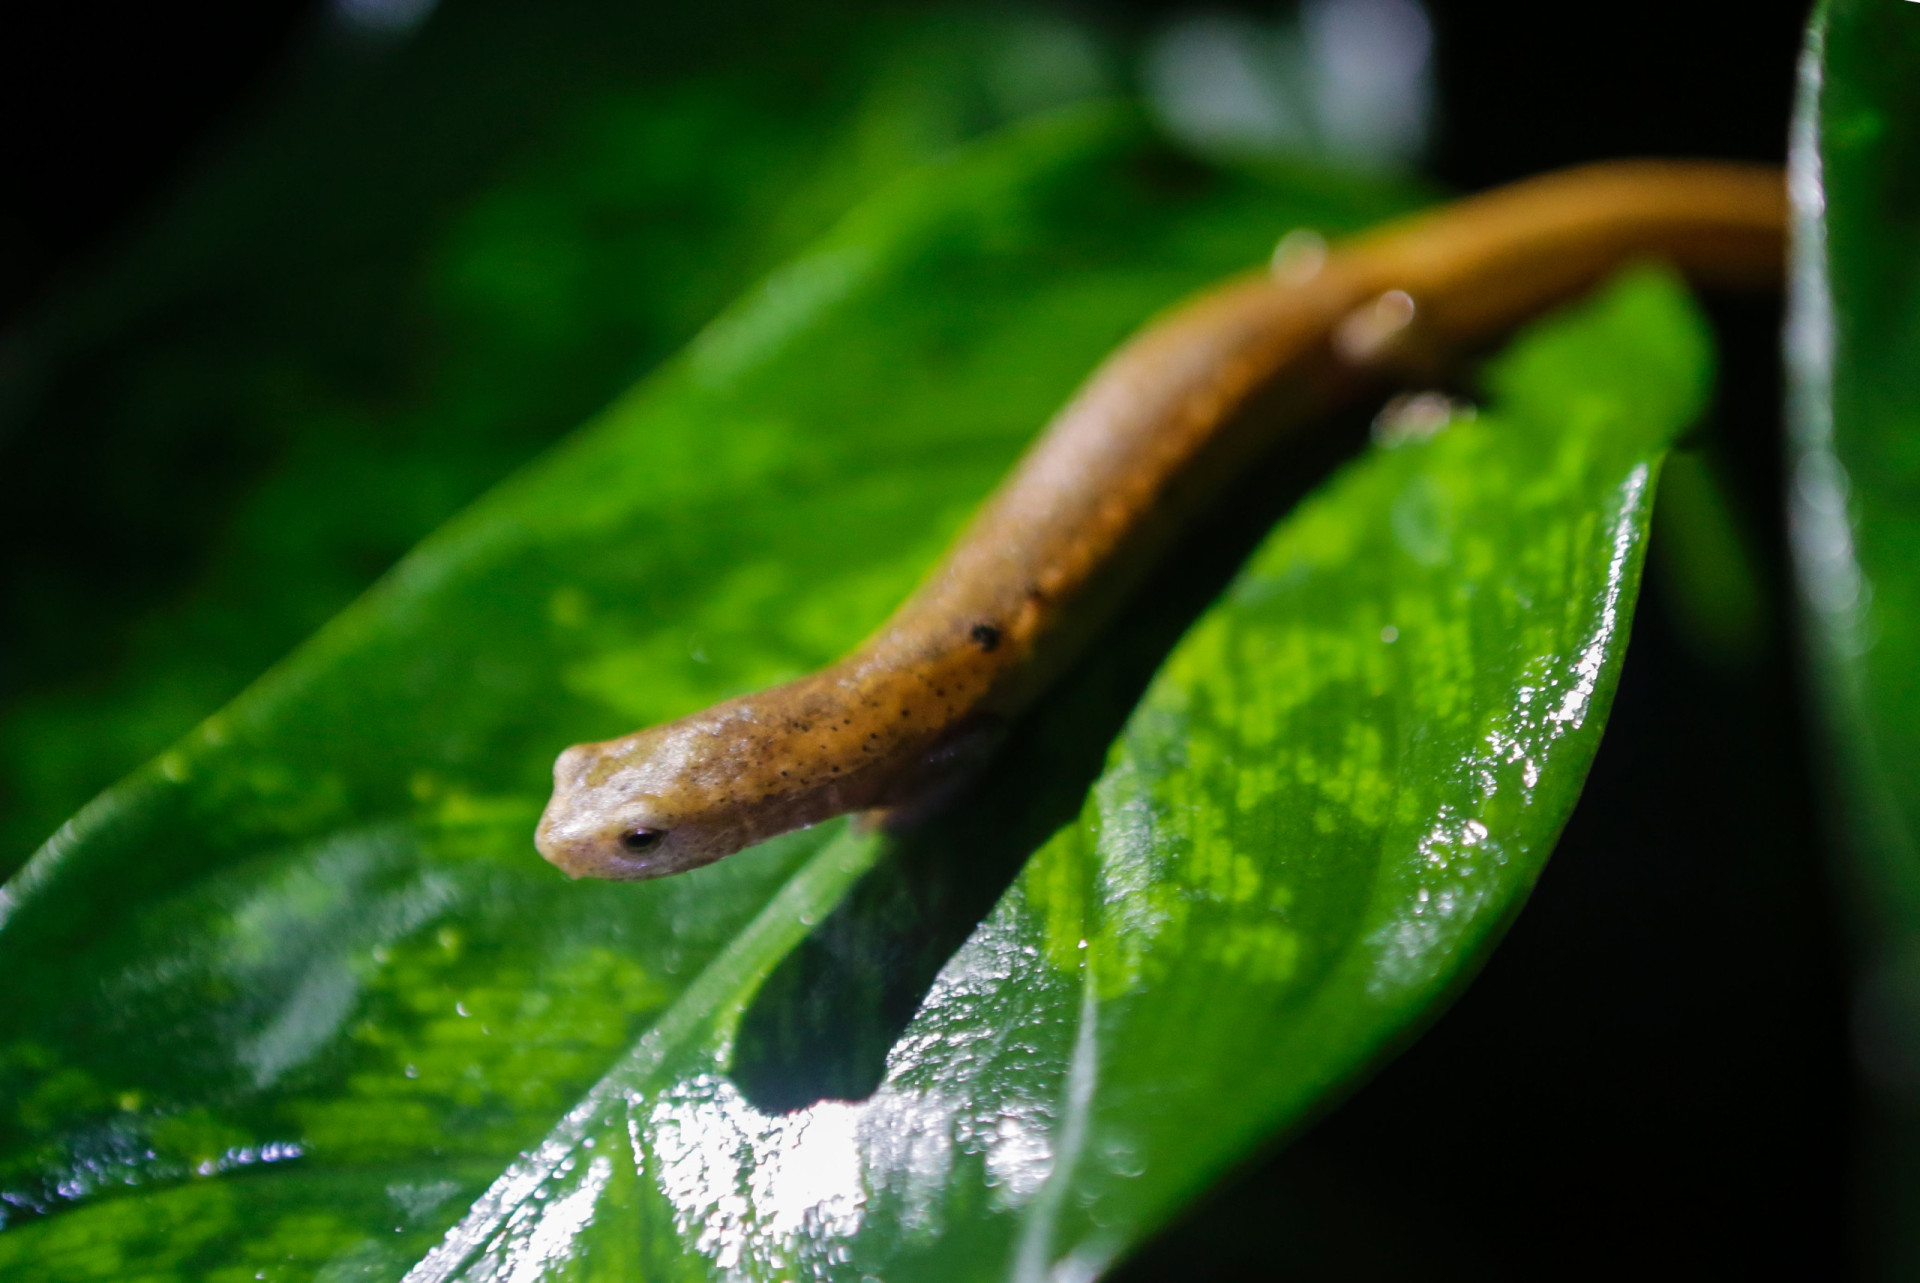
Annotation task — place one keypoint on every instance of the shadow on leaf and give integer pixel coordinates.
(822, 1025)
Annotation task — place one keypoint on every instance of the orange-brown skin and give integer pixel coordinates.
(1155, 432)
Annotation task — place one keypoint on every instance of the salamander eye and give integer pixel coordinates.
(638, 840)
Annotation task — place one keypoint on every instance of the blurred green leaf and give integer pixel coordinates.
(410, 271)
(302, 991)
(1852, 337)
(1853, 332)
(1711, 565)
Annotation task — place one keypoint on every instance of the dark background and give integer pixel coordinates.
(1651, 1076)
(108, 102)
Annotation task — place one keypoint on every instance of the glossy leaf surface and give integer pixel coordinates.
(302, 991)
(1851, 344)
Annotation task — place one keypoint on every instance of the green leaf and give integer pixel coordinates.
(303, 992)
(1853, 332)
(397, 286)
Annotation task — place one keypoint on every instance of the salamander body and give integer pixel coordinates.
(1155, 433)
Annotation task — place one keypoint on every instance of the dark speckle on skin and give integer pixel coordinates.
(986, 636)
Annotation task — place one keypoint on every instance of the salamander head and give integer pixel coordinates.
(657, 802)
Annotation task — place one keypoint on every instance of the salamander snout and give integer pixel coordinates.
(598, 826)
